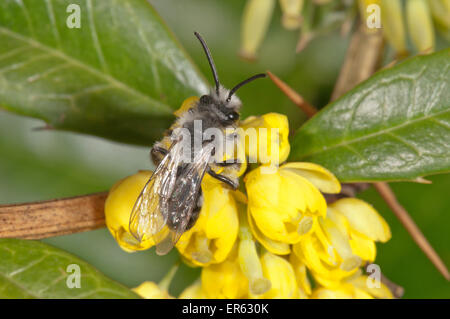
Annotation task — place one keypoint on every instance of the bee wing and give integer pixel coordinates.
(148, 216)
(184, 198)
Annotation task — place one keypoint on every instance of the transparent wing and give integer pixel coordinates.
(184, 199)
(148, 216)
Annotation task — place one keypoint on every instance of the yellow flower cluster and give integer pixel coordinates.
(269, 239)
(256, 19)
(418, 18)
(396, 18)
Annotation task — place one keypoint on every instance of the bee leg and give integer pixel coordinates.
(195, 211)
(223, 179)
(227, 164)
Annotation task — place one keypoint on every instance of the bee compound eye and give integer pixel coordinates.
(205, 99)
(233, 116)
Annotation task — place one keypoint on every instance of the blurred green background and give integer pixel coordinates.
(40, 164)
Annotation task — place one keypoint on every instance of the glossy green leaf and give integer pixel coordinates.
(31, 269)
(394, 126)
(119, 76)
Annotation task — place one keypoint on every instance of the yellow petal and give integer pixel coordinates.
(341, 243)
(300, 273)
(118, 207)
(194, 291)
(363, 247)
(281, 274)
(320, 177)
(150, 290)
(363, 218)
(381, 292)
(273, 246)
(216, 230)
(266, 138)
(225, 280)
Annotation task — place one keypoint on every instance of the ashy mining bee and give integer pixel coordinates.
(172, 196)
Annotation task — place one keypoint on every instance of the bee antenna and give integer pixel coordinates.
(238, 86)
(210, 60)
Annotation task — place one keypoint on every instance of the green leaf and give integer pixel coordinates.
(119, 76)
(31, 269)
(394, 126)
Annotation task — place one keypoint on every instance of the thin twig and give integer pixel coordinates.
(409, 224)
(396, 290)
(296, 98)
(52, 218)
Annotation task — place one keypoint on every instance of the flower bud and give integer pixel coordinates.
(194, 291)
(420, 25)
(249, 261)
(255, 22)
(292, 13)
(266, 138)
(440, 9)
(225, 280)
(118, 207)
(281, 275)
(393, 24)
(150, 290)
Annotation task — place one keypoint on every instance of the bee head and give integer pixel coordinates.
(228, 103)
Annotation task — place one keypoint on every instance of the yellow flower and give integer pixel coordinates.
(281, 276)
(249, 260)
(118, 207)
(215, 232)
(355, 288)
(284, 204)
(339, 243)
(194, 291)
(303, 283)
(151, 290)
(225, 280)
(266, 138)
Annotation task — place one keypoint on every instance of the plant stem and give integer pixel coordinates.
(409, 224)
(53, 218)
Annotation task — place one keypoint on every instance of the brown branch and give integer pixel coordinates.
(296, 98)
(362, 59)
(52, 218)
(409, 224)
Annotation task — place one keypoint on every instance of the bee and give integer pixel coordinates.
(172, 196)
